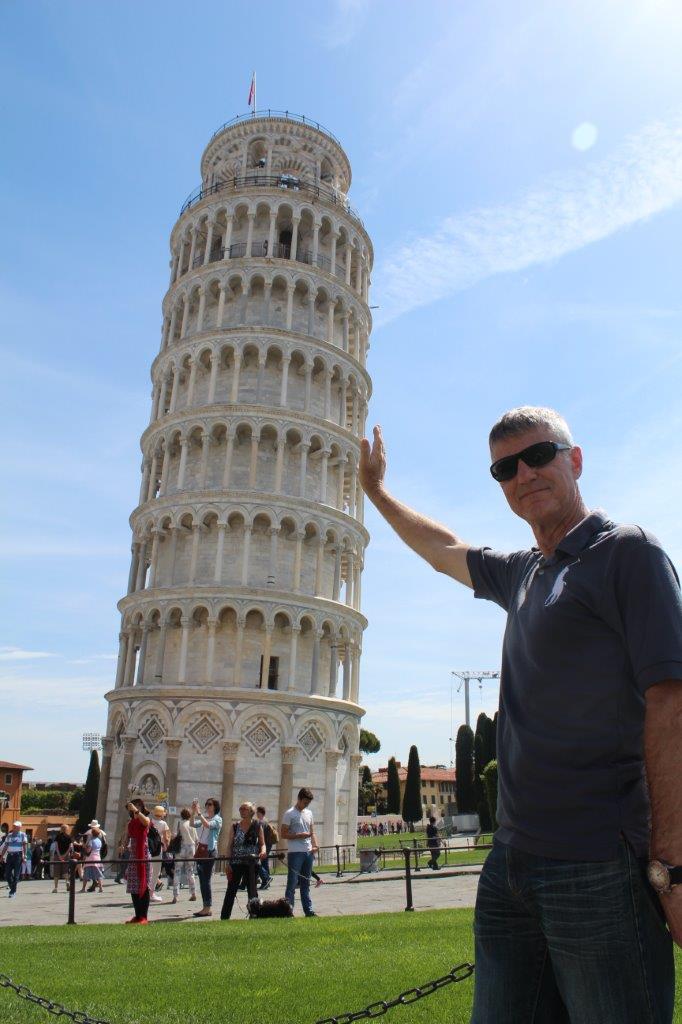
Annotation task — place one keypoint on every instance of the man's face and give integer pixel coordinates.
(545, 494)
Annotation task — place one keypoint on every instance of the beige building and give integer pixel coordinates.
(437, 787)
(241, 632)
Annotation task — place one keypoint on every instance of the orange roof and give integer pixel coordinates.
(17, 767)
(428, 774)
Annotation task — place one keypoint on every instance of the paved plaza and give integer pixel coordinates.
(35, 904)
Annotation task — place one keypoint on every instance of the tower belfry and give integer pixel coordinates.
(241, 632)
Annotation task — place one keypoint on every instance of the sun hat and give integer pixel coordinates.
(16, 823)
(94, 824)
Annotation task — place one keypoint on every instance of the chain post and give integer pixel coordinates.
(408, 879)
(72, 892)
(339, 872)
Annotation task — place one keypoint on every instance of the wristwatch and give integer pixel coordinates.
(663, 876)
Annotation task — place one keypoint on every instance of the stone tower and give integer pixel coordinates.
(241, 633)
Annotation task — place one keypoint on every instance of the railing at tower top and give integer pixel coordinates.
(280, 181)
(278, 115)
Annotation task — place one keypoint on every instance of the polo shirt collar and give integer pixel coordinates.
(582, 533)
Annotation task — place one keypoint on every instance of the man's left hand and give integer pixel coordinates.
(672, 908)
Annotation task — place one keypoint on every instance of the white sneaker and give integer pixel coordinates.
(156, 899)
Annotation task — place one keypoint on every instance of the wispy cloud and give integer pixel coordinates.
(347, 18)
(564, 214)
(18, 654)
(93, 658)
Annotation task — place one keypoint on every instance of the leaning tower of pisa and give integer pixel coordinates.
(241, 631)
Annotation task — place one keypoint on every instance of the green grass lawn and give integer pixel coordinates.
(244, 972)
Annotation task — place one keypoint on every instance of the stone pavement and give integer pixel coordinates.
(35, 904)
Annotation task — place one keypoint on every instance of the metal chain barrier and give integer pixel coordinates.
(411, 995)
(79, 1016)
(378, 1009)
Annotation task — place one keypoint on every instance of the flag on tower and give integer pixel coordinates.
(252, 93)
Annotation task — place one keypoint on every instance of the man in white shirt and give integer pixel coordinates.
(298, 830)
(13, 849)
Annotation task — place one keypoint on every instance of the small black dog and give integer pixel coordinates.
(269, 908)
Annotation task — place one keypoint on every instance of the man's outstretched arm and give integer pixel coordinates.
(663, 755)
(435, 543)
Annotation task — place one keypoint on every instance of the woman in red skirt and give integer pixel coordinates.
(138, 872)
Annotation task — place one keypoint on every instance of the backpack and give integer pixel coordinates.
(175, 844)
(154, 841)
(271, 835)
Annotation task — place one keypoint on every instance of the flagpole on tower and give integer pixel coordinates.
(252, 94)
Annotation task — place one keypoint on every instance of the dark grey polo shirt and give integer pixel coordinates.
(588, 631)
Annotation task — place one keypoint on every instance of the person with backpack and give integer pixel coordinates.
(271, 837)
(183, 846)
(159, 838)
(246, 841)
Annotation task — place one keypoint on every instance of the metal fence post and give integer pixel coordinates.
(72, 892)
(339, 872)
(408, 879)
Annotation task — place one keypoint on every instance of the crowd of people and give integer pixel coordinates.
(382, 828)
(150, 856)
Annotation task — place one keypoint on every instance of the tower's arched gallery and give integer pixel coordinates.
(241, 632)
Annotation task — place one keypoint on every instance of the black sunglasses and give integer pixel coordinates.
(534, 456)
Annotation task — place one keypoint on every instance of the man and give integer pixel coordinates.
(37, 860)
(59, 861)
(298, 830)
(567, 926)
(13, 850)
(271, 837)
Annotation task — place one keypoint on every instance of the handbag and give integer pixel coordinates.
(201, 851)
(175, 844)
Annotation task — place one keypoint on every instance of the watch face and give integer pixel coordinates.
(658, 876)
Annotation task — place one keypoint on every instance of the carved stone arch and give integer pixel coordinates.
(149, 780)
(150, 613)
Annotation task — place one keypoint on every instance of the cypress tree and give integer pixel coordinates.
(464, 768)
(490, 783)
(480, 761)
(88, 807)
(393, 787)
(412, 800)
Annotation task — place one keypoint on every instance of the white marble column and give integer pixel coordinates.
(160, 653)
(218, 569)
(246, 547)
(293, 653)
(210, 650)
(296, 580)
(184, 641)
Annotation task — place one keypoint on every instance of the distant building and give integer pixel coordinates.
(37, 824)
(438, 787)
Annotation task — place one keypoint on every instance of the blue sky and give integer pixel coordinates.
(519, 168)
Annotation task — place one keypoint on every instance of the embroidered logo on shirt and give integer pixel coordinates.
(559, 584)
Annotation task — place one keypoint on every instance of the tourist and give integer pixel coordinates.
(138, 872)
(27, 864)
(209, 826)
(158, 822)
(78, 852)
(271, 839)
(299, 831)
(184, 865)
(59, 857)
(93, 872)
(13, 852)
(434, 844)
(567, 924)
(37, 859)
(245, 842)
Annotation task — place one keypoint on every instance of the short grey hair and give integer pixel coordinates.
(528, 417)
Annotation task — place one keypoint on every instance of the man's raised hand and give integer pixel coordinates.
(372, 463)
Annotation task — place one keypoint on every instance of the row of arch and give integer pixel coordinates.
(268, 299)
(271, 228)
(241, 548)
(249, 373)
(250, 456)
(239, 646)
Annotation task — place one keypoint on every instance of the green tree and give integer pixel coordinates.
(369, 743)
(366, 797)
(481, 759)
(76, 799)
(464, 770)
(490, 783)
(393, 788)
(88, 806)
(412, 799)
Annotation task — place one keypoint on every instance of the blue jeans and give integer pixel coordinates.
(570, 942)
(263, 870)
(12, 870)
(204, 871)
(299, 867)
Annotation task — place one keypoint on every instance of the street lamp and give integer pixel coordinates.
(92, 741)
